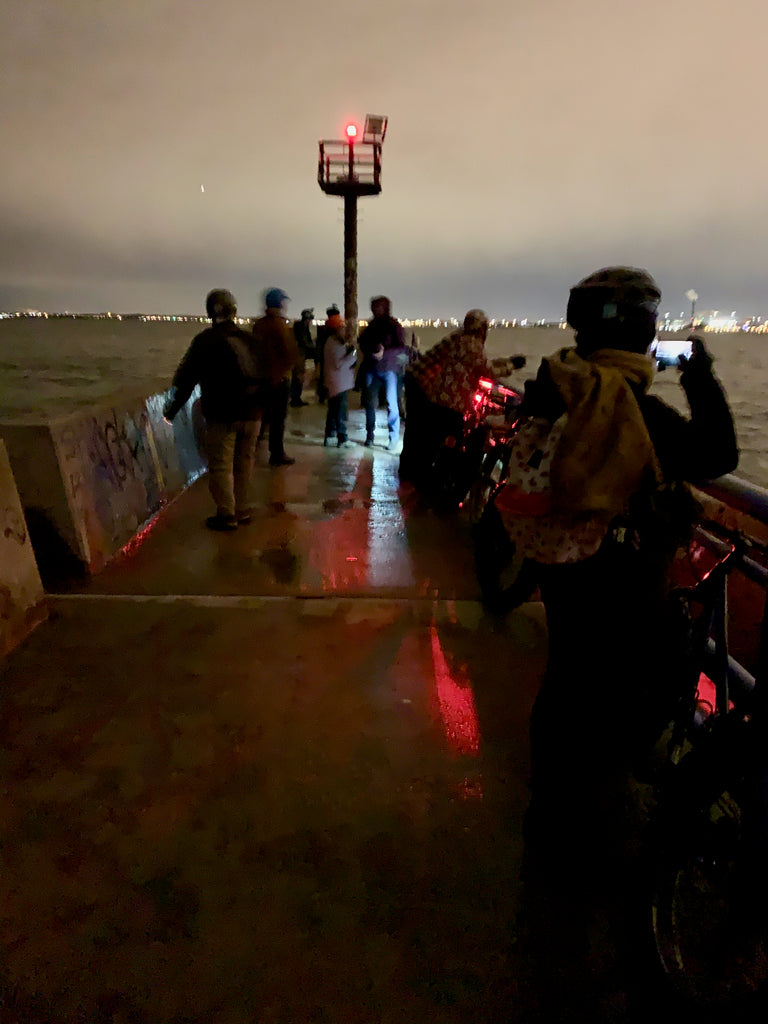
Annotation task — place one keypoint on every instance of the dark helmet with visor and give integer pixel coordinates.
(614, 307)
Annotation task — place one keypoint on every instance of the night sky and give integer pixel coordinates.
(529, 142)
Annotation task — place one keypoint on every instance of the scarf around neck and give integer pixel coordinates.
(605, 452)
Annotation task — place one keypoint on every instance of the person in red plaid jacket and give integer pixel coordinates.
(439, 388)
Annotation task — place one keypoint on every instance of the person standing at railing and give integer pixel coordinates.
(439, 388)
(222, 360)
(619, 509)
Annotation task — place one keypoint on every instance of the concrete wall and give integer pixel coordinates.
(21, 591)
(90, 480)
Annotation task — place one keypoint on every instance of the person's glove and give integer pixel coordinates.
(700, 360)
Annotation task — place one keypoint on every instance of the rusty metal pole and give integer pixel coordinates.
(350, 264)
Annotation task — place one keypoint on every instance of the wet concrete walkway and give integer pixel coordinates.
(278, 776)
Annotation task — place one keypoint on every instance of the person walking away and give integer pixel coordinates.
(439, 389)
(277, 355)
(321, 335)
(383, 348)
(339, 361)
(303, 335)
(221, 359)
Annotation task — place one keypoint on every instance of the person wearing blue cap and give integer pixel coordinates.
(276, 353)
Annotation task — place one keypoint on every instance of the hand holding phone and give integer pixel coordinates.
(669, 352)
(700, 358)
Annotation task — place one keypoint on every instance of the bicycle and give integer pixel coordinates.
(504, 582)
(707, 843)
(459, 459)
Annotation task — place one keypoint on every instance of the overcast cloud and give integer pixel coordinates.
(529, 142)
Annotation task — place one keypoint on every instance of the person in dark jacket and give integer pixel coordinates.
(624, 460)
(221, 360)
(384, 353)
(277, 355)
(320, 338)
(303, 335)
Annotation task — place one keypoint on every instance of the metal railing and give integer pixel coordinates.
(741, 495)
(752, 501)
(341, 162)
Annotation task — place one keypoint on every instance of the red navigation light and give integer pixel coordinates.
(351, 131)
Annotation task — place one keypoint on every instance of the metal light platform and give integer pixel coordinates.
(350, 168)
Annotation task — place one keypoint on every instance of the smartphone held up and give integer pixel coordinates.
(667, 352)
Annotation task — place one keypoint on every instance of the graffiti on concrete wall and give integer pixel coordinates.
(115, 451)
(119, 450)
(107, 461)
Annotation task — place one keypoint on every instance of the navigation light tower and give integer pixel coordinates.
(351, 167)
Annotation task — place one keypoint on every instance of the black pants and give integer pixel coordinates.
(336, 417)
(297, 384)
(275, 413)
(616, 657)
(426, 427)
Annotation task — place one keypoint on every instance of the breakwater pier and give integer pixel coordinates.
(279, 775)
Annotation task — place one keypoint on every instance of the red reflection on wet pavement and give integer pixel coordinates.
(457, 702)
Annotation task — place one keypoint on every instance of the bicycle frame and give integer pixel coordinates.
(709, 836)
(709, 641)
(495, 407)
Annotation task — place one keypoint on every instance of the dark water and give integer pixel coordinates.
(50, 367)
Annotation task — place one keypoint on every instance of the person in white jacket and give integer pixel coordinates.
(339, 378)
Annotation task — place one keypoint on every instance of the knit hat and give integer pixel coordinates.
(220, 304)
(475, 322)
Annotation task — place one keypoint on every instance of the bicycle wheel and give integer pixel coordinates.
(445, 488)
(708, 909)
(493, 465)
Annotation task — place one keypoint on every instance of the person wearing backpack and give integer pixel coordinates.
(615, 509)
(221, 359)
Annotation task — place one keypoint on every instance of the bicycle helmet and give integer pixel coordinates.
(220, 304)
(614, 307)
